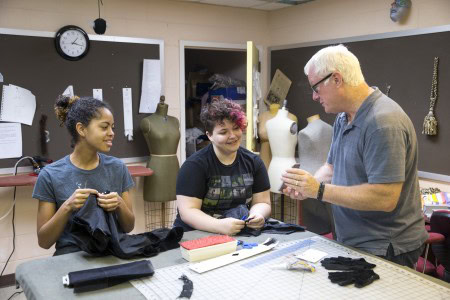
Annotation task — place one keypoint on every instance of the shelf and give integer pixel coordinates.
(29, 180)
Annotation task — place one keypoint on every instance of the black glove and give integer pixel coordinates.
(357, 271)
(360, 278)
(346, 263)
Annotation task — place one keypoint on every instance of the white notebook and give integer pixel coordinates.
(17, 105)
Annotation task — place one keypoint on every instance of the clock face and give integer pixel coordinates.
(72, 42)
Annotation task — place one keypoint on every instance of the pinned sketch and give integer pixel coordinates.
(69, 91)
(97, 94)
(1, 77)
(10, 140)
(151, 86)
(17, 105)
(128, 113)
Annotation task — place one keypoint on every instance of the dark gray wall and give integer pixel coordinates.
(33, 63)
(405, 63)
(231, 63)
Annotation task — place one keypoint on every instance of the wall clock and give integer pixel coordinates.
(72, 42)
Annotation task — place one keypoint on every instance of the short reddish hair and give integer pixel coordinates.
(216, 111)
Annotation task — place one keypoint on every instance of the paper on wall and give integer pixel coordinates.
(10, 140)
(151, 86)
(1, 77)
(97, 94)
(128, 113)
(17, 105)
(69, 91)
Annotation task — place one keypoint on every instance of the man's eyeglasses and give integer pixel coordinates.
(316, 85)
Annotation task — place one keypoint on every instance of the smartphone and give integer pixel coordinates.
(283, 186)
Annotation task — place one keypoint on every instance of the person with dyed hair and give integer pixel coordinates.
(222, 176)
(63, 186)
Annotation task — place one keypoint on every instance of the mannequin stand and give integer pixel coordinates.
(284, 208)
(159, 214)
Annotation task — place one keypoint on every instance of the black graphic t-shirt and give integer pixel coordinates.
(221, 186)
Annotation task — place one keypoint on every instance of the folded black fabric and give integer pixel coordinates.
(99, 278)
(98, 233)
(360, 278)
(346, 263)
(270, 226)
(276, 227)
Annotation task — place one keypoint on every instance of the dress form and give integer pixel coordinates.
(313, 146)
(265, 153)
(162, 134)
(282, 133)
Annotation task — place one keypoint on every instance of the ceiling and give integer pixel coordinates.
(253, 4)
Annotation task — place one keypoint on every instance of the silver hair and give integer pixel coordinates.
(336, 59)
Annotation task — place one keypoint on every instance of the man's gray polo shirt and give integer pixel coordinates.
(379, 146)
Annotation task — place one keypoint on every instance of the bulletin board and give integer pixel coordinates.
(29, 59)
(402, 60)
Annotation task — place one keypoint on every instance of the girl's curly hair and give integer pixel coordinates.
(216, 111)
(71, 110)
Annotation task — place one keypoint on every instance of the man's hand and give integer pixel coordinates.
(300, 184)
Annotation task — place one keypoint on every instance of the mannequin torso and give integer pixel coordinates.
(314, 143)
(265, 152)
(313, 146)
(162, 135)
(282, 133)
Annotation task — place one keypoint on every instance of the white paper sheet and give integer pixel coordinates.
(128, 113)
(1, 77)
(97, 94)
(17, 105)
(151, 86)
(10, 140)
(69, 91)
(312, 255)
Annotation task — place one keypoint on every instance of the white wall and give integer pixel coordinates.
(331, 19)
(175, 21)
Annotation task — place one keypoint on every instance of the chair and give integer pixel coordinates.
(423, 264)
(440, 223)
(328, 235)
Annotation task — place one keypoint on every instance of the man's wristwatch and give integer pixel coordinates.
(320, 191)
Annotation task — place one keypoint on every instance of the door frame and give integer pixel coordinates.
(195, 45)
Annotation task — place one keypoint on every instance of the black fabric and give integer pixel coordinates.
(98, 232)
(354, 270)
(276, 227)
(346, 263)
(99, 278)
(360, 278)
(188, 287)
(270, 226)
(219, 186)
(239, 212)
(66, 249)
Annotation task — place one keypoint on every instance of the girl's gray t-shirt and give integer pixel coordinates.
(57, 182)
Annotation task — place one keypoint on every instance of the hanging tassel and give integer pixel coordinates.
(430, 122)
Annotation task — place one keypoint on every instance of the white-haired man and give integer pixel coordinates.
(370, 176)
